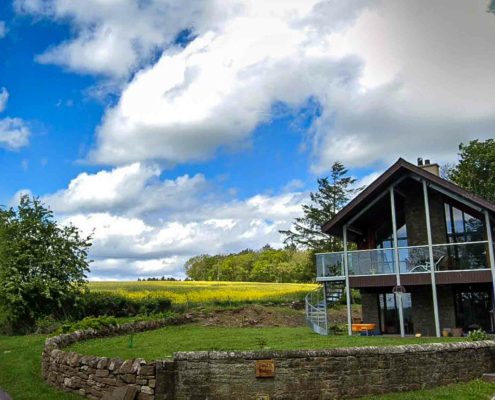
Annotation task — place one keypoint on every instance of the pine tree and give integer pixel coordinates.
(333, 193)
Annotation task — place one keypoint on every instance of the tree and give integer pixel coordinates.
(333, 193)
(43, 265)
(475, 171)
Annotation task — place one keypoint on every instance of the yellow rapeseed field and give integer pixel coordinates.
(206, 292)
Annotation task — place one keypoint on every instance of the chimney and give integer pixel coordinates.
(428, 166)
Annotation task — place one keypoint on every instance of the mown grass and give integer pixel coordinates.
(20, 358)
(162, 343)
(474, 390)
(20, 369)
(184, 293)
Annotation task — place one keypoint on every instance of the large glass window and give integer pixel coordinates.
(473, 309)
(388, 242)
(461, 226)
(389, 313)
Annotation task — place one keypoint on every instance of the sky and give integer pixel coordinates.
(171, 129)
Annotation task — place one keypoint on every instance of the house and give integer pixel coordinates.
(420, 251)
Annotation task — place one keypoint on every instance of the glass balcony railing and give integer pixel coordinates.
(412, 259)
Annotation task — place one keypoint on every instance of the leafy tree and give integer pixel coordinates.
(475, 171)
(43, 265)
(333, 193)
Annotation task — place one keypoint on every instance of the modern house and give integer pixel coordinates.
(420, 251)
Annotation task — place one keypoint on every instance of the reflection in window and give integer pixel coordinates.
(461, 226)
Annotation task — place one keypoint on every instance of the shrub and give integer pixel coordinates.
(96, 304)
(97, 324)
(477, 335)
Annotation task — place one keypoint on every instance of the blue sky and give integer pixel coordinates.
(172, 130)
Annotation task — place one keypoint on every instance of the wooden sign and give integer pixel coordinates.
(265, 368)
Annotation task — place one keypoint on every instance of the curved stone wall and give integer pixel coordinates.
(302, 374)
(96, 377)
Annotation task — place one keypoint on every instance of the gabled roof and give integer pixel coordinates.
(390, 176)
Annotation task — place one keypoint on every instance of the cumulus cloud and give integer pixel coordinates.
(425, 85)
(145, 225)
(113, 38)
(14, 133)
(222, 85)
(389, 77)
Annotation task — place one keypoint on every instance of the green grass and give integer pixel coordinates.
(20, 358)
(20, 366)
(474, 390)
(163, 342)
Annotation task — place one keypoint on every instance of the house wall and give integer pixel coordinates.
(422, 309)
(416, 219)
(370, 310)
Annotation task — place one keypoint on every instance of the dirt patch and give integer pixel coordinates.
(267, 316)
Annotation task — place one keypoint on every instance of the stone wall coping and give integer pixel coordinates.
(335, 352)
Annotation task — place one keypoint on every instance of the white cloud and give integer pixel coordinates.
(14, 133)
(143, 225)
(135, 188)
(3, 29)
(426, 84)
(221, 86)
(390, 76)
(113, 38)
(4, 97)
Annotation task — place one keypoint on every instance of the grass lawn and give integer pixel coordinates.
(163, 342)
(20, 365)
(20, 357)
(474, 390)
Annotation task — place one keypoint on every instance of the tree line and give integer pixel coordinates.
(264, 265)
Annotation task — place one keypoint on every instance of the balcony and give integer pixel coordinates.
(412, 260)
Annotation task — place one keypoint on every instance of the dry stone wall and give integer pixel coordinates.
(303, 374)
(100, 377)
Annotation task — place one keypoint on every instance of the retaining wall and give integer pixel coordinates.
(302, 374)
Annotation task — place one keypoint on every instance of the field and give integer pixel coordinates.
(191, 293)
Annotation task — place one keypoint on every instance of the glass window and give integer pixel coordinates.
(462, 226)
(389, 313)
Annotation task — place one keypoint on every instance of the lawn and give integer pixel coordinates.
(163, 342)
(20, 366)
(207, 292)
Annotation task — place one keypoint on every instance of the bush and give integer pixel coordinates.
(97, 324)
(477, 335)
(95, 304)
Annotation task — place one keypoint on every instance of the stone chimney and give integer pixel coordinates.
(427, 166)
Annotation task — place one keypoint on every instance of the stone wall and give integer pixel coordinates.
(97, 377)
(370, 311)
(330, 374)
(302, 374)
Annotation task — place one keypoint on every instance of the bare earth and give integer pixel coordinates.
(267, 316)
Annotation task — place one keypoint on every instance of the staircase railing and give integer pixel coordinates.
(316, 311)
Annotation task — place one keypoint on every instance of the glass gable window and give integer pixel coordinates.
(461, 226)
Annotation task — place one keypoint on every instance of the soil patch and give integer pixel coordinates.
(267, 316)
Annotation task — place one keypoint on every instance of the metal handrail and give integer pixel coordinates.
(405, 247)
(316, 315)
